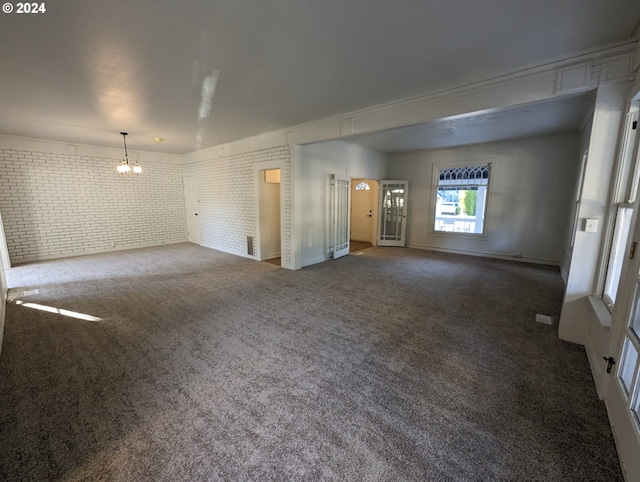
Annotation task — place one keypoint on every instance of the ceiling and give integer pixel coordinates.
(542, 118)
(206, 72)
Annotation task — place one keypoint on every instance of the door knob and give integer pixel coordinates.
(610, 362)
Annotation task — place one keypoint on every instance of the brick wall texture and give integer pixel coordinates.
(57, 205)
(227, 199)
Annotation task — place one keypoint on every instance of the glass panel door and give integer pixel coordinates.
(622, 397)
(393, 213)
(341, 210)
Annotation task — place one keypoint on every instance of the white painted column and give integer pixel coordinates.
(576, 312)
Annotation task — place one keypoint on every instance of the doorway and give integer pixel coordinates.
(269, 216)
(364, 212)
(192, 207)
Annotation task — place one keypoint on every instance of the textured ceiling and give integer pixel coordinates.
(201, 73)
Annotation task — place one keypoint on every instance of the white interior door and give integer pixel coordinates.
(622, 396)
(393, 212)
(192, 207)
(341, 211)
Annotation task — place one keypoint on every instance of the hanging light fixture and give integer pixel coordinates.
(124, 167)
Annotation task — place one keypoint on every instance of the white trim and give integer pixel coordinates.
(486, 254)
(75, 254)
(601, 310)
(431, 219)
(32, 144)
(596, 368)
(258, 169)
(529, 84)
(626, 166)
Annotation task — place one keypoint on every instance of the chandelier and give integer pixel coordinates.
(124, 167)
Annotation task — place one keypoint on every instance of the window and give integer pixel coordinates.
(363, 186)
(616, 256)
(461, 199)
(624, 195)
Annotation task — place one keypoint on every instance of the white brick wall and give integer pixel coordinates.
(226, 194)
(55, 205)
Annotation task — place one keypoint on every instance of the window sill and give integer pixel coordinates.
(601, 311)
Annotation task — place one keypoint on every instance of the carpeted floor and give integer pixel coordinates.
(395, 364)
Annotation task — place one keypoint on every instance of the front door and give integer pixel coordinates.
(363, 199)
(393, 212)
(191, 205)
(622, 396)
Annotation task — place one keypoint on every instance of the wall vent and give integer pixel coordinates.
(250, 245)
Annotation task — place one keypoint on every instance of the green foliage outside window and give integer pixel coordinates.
(469, 202)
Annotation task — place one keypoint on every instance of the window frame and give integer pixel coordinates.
(622, 195)
(433, 201)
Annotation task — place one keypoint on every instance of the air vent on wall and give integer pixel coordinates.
(250, 245)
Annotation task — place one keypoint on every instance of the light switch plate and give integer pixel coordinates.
(591, 225)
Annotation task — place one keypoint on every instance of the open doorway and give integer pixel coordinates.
(269, 222)
(364, 213)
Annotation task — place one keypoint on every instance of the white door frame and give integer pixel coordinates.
(622, 424)
(258, 173)
(626, 430)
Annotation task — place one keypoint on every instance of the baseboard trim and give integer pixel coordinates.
(596, 368)
(3, 314)
(228, 251)
(94, 251)
(484, 254)
(313, 261)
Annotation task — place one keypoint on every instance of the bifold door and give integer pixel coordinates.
(341, 210)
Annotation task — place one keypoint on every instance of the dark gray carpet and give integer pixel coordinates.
(393, 364)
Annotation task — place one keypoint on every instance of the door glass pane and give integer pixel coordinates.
(635, 405)
(620, 236)
(628, 365)
(634, 324)
(342, 214)
(392, 208)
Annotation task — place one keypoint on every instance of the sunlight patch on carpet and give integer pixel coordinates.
(60, 311)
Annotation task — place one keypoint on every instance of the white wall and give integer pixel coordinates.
(583, 147)
(62, 200)
(227, 198)
(587, 249)
(528, 207)
(317, 163)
